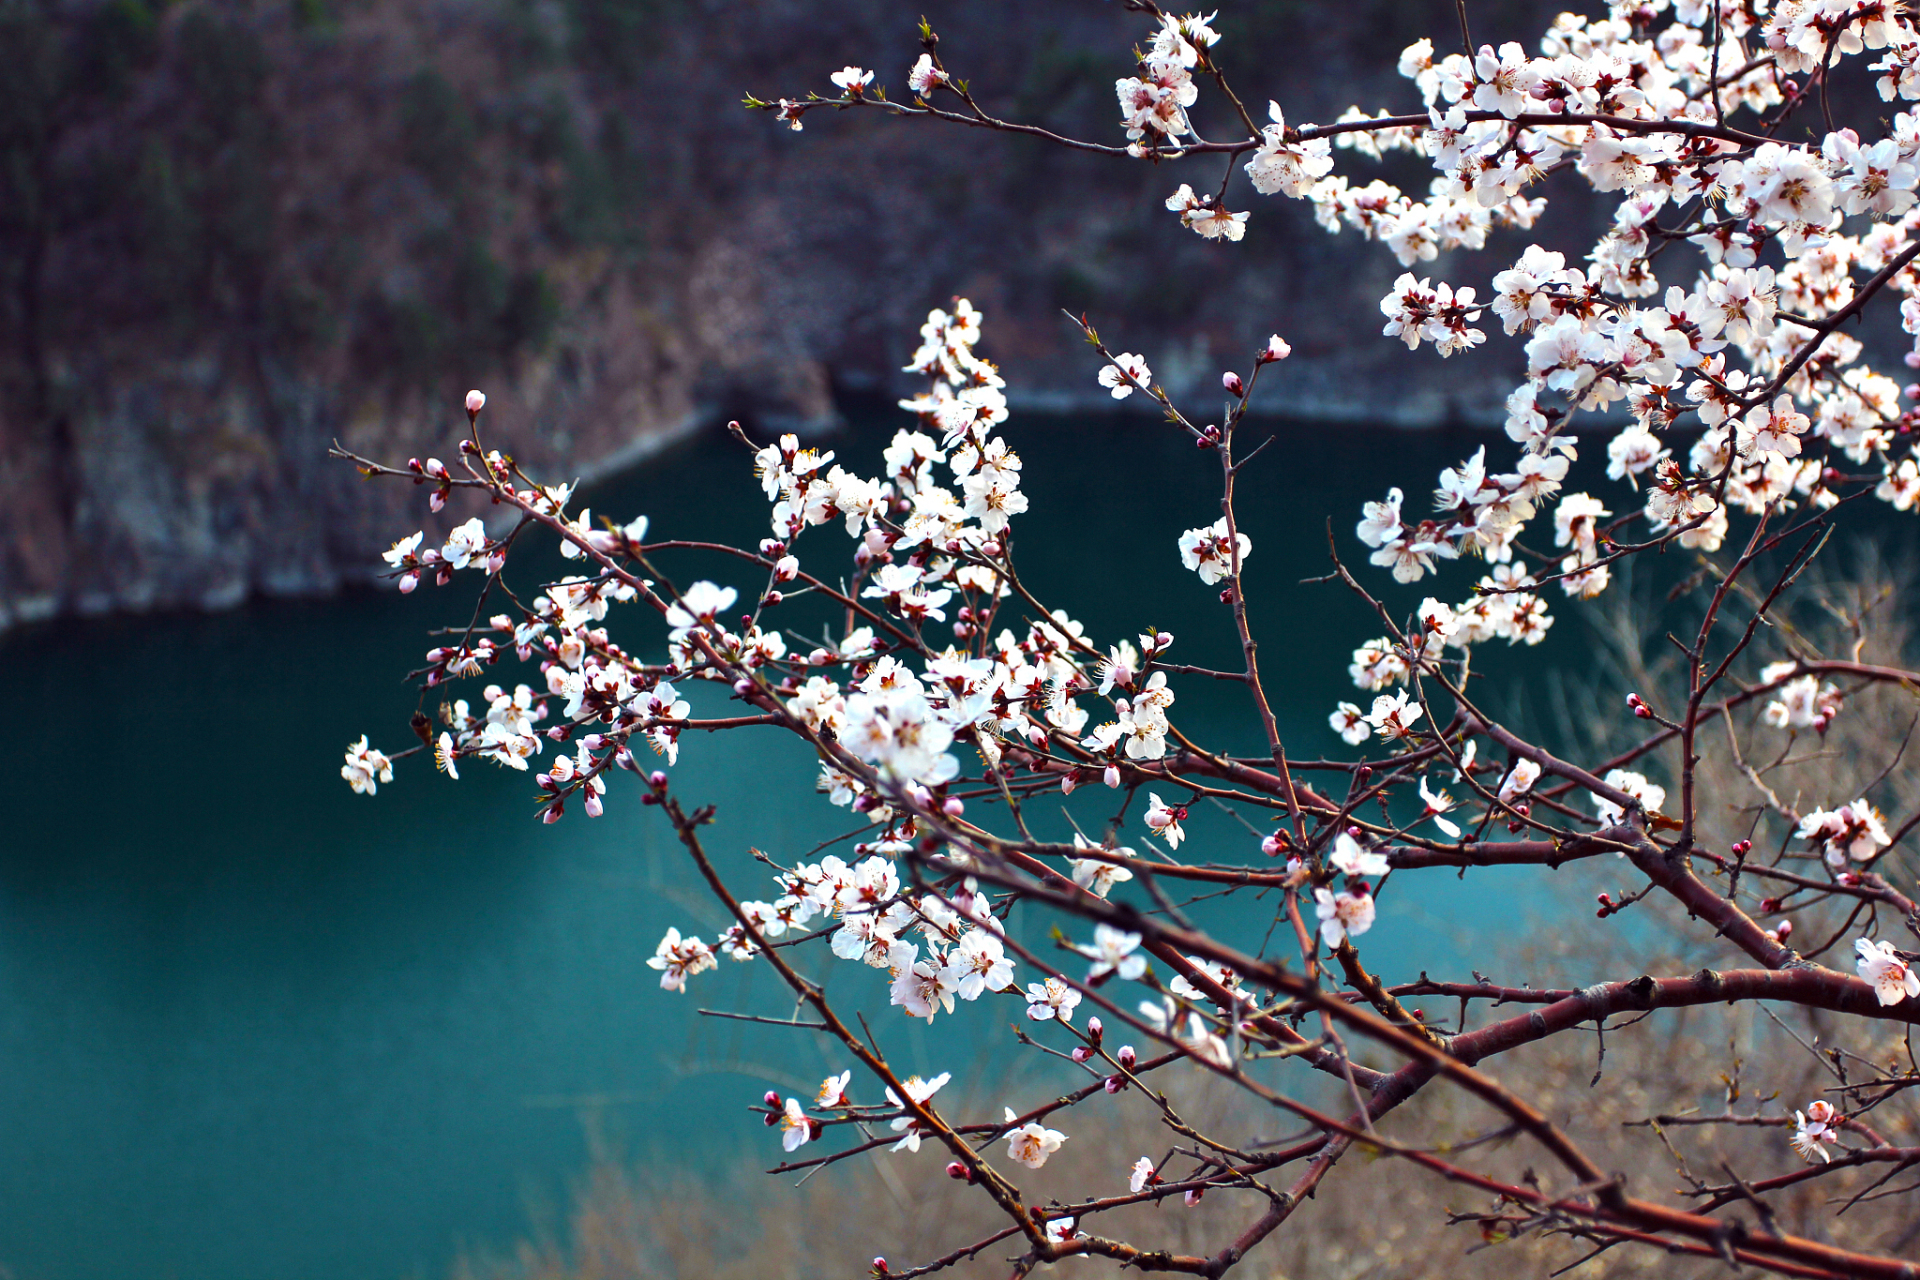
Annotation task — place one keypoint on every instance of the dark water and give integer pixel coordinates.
(252, 1024)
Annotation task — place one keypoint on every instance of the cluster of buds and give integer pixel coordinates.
(436, 471)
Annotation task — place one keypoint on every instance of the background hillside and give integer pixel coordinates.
(231, 232)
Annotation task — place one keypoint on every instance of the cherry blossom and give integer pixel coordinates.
(1115, 377)
(366, 768)
(1342, 915)
(1883, 969)
(1801, 703)
(921, 1091)
(795, 1126)
(833, 1091)
(1113, 951)
(1096, 875)
(679, 958)
(1213, 553)
(1650, 795)
(924, 76)
(851, 80)
(1164, 820)
(1519, 780)
(1350, 723)
(1351, 859)
(1694, 347)
(1851, 832)
(980, 963)
(1031, 1143)
(1288, 168)
(1437, 803)
(1393, 714)
(1051, 999)
(1203, 215)
(1814, 1130)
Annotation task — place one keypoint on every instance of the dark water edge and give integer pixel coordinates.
(254, 1024)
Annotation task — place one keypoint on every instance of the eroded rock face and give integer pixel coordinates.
(233, 234)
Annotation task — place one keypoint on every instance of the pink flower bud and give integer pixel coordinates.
(1094, 1028)
(1193, 1196)
(1081, 1053)
(743, 686)
(771, 1098)
(1276, 349)
(819, 658)
(771, 598)
(786, 568)
(1112, 775)
(958, 1171)
(557, 734)
(953, 808)
(437, 500)
(877, 540)
(1068, 781)
(552, 814)
(592, 804)
(1274, 845)
(409, 580)
(990, 547)
(880, 1266)
(862, 555)
(475, 402)
(1126, 1057)
(1114, 1084)
(1231, 381)
(496, 560)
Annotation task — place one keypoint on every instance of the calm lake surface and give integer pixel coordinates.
(253, 1025)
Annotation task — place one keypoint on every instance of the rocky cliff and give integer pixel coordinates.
(232, 232)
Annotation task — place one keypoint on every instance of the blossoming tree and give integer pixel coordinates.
(1704, 337)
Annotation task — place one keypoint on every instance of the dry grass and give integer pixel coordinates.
(1374, 1219)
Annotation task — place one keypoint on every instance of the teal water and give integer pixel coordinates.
(252, 1024)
